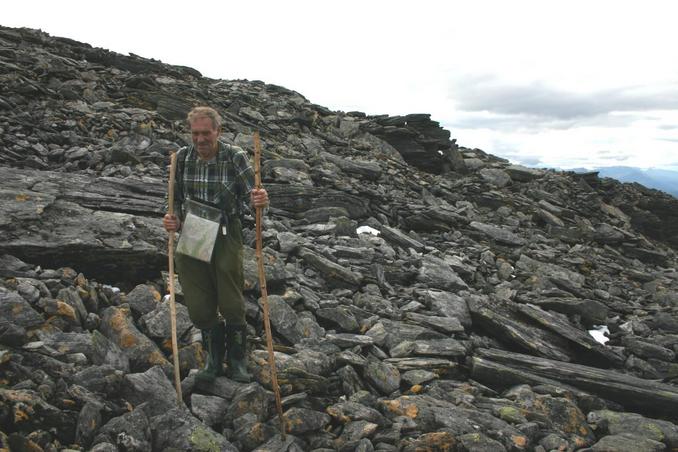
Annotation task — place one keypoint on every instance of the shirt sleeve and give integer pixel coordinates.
(245, 180)
(244, 173)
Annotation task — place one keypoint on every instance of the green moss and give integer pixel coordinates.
(654, 429)
(203, 440)
(474, 437)
(511, 414)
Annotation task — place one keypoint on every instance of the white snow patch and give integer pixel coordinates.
(600, 333)
(367, 230)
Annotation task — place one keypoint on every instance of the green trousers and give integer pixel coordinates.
(216, 285)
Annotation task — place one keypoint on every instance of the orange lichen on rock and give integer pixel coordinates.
(119, 319)
(156, 357)
(127, 340)
(580, 442)
(291, 423)
(167, 344)
(403, 409)
(337, 415)
(437, 441)
(520, 441)
(20, 415)
(65, 310)
(119, 323)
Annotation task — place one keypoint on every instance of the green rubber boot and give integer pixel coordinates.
(236, 342)
(213, 341)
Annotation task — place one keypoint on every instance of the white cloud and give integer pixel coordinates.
(540, 101)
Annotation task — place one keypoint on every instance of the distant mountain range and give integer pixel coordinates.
(660, 179)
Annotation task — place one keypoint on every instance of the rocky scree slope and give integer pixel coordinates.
(463, 325)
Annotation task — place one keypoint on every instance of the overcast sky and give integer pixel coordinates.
(547, 83)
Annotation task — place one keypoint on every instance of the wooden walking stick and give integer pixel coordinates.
(264, 292)
(170, 253)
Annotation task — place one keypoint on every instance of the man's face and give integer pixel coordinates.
(205, 137)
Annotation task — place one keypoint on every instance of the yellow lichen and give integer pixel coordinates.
(202, 439)
(654, 429)
(475, 437)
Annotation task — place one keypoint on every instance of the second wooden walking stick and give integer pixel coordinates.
(264, 292)
(170, 253)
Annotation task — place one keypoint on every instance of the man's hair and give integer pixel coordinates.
(204, 112)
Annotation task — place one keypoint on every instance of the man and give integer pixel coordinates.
(219, 175)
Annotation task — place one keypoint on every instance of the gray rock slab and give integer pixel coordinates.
(118, 325)
(129, 429)
(616, 423)
(335, 274)
(352, 411)
(382, 375)
(437, 348)
(151, 387)
(498, 234)
(14, 306)
(399, 238)
(442, 324)
(341, 317)
(627, 442)
(158, 325)
(550, 270)
(209, 409)
(251, 398)
(438, 274)
(284, 319)
(448, 304)
(177, 429)
(347, 340)
(592, 312)
(143, 299)
(302, 420)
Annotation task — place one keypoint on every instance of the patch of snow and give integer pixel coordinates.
(367, 230)
(113, 289)
(600, 333)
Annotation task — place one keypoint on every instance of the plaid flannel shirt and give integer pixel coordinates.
(226, 180)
